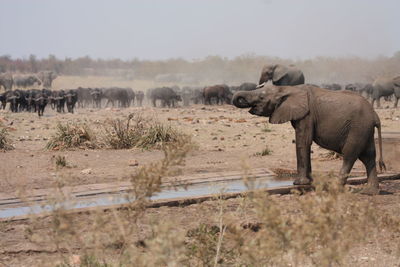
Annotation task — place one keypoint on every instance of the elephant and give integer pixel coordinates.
(84, 96)
(361, 88)
(385, 86)
(6, 80)
(131, 96)
(220, 92)
(47, 78)
(281, 75)
(115, 94)
(167, 96)
(332, 86)
(26, 80)
(313, 114)
(139, 98)
(71, 97)
(247, 87)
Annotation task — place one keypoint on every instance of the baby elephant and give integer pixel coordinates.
(341, 121)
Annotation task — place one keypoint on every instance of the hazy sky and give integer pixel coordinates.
(193, 29)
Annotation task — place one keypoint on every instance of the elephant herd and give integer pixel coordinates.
(44, 78)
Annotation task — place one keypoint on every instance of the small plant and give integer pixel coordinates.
(5, 142)
(265, 152)
(137, 132)
(61, 162)
(72, 136)
(266, 128)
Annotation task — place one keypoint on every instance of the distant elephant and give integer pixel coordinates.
(167, 96)
(281, 75)
(6, 81)
(117, 94)
(386, 87)
(332, 86)
(131, 96)
(47, 78)
(313, 114)
(84, 97)
(139, 98)
(361, 88)
(220, 92)
(26, 80)
(247, 86)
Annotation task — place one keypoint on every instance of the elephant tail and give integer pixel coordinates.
(382, 165)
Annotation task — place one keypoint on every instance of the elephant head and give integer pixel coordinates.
(272, 72)
(279, 103)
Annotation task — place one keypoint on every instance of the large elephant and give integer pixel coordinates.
(6, 81)
(47, 78)
(167, 96)
(220, 92)
(313, 114)
(281, 75)
(26, 80)
(386, 87)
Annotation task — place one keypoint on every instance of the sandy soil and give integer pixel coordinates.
(228, 139)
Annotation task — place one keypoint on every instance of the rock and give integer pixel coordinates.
(133, 163)
(86, 171)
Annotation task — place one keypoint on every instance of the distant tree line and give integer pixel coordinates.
(209, 69)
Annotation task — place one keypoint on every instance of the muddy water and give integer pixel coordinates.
(207, 188)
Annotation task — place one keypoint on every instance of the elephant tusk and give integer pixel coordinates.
(261, 85)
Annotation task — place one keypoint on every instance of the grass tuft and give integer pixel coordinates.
(5, 141)
(135, 131)
(72, 135)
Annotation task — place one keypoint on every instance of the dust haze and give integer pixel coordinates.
(196, 43)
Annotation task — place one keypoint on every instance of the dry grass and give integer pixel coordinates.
(72, 135)
(5, 141)
(136, 131)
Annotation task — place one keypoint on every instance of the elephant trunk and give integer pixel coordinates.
(240, 100)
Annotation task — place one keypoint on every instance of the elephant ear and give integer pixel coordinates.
(279, 72)
(292, 105)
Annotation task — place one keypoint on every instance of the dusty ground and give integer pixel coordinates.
(227, 139)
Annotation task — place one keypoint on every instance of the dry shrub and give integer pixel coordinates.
(5, 141)
(320, 230)
(136, 131)
(265, 152)
(72, 135)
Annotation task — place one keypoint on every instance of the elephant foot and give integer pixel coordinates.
(302, 181)
(369, 190)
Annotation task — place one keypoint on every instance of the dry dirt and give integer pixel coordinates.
(227, 138)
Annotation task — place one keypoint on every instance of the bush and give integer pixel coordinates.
(5, 142)
(72, 135)
(138, 132)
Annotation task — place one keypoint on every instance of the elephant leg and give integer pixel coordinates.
(303, 150)
(396, 101)
(378, 102)
(368, 159)
(347, 165)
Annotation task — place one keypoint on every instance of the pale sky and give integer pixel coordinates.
(194, 29)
